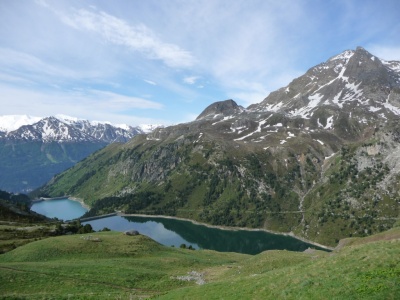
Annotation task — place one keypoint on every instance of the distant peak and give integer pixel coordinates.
(361, 50)
(225, 107)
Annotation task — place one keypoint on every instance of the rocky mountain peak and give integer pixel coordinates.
(327, 143)
(354, 82)
(227, 107)
(62, 129)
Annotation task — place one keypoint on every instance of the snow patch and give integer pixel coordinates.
(392, 108)
(346, 55)
(260, 124)
(304, 111)
(274, 107)
(374, 109)
(328, 157)
(392, 65)
(198, 139)
(224, 119)
(147, 128)
(329, 123)
(335, 100)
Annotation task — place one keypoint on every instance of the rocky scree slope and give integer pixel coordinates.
(318, 158)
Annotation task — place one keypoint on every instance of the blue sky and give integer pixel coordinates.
(164, 61)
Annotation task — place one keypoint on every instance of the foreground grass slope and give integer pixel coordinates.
(110, 265)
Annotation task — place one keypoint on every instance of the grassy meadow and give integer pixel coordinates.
(111, 265)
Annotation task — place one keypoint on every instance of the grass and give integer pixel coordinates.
(118, 265)
(125, 267)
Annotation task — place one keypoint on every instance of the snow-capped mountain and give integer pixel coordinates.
(35, 149)
(354, 80)
(319, 158)
(62, 128)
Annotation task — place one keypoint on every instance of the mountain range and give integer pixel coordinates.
(33, 150)
(318, 158)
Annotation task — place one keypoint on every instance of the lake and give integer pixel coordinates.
(63, 209)
(173, 232)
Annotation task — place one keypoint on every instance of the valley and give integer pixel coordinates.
(33, 150)
(316, 158)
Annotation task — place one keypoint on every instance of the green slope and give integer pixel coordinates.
(220, 181)
(113, 265)
(25, 166)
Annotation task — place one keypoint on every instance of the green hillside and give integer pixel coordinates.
(195, 171)
(111, 265)
(25, 166)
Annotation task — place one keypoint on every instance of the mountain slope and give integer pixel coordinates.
(317, 158)
(32, 151)
(365, 268)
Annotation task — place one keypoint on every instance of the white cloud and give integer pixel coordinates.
(150, 82)
(30, 67)
(191, 79)
(136, 37)
(91, 104)
(116, 101)
(384, 52)
(237, 49)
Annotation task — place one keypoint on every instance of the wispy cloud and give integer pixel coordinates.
(150, 82)
(108, 106)
(119, 102)
(385, 52)
(191, 79)
(136, 37)
(31, 67)
(185, 54)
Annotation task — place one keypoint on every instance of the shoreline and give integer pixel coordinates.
(80, 201)
(291, 234)
(221, 227)
(84, 205)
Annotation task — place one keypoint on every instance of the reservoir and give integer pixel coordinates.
(173, 232)
(63, 209)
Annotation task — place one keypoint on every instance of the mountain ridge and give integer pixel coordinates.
(61, 128)
(316, 158)
(34, 149)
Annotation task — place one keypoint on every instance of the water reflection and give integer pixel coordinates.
(176, 232)
(153, 229)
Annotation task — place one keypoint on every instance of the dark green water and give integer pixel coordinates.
(172, 232)
(176, 232)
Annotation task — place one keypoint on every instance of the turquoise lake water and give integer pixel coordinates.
(63, 209)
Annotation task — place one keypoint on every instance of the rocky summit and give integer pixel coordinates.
(317, 158)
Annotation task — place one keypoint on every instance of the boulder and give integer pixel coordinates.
(131, 232)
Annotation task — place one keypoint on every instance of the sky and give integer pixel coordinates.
(164, 61)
